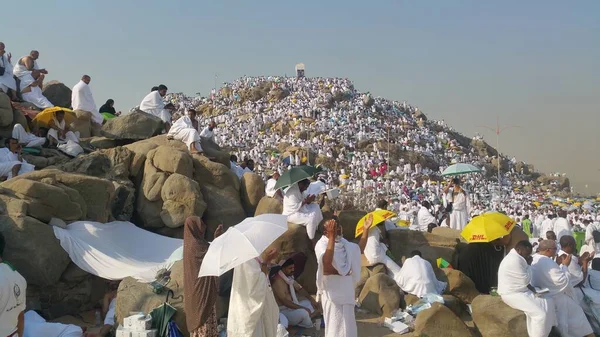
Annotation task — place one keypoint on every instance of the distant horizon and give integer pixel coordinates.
(533, 64)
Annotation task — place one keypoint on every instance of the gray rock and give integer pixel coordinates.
(136, 125)
(57, 93)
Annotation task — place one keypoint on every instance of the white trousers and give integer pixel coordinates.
(571, 319)
(188, 136)
(70, 135)
(339, 319)
(27, 138)
(309, 216)
(539, 312)
(298, 317)
(36, 97)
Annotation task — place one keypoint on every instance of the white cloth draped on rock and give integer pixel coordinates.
(569, 314)
(7, 81)
(153, 104)
(306, 215)
(70, 135)
(36, 326)
(375, 252)
(253, 311)
(8, 160)
(514, 275)
(418, 278)
(337, 291)
(183, 130)
(459, 217)
(82, 99)
(118, 249)
(26, 138)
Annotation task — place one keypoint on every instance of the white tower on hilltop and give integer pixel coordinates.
(300, 70)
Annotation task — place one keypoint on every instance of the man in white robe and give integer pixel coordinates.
(338, 273)
(36, 326)
(547, 274)
(11, 162)
(58, 131)
(26, 138)
(418, 278)
(424, 218)
(153, 104)
(295, 303)
(183, 130)
(13, 289)
(562, 226)
(209, 131)
(301, 210)
(270, 190)
(514, 286)
(253, 311)
(31, 80)
(7, 80)
(82, 99)
(375, 252)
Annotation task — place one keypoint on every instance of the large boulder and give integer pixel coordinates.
(111, 164)
(68, 196)
(252, 191)
(365, 273)
(83, 123)
(136, 125)
(181, 199)
(212, 150)
(223, 207)
(6, 111)
(494, 318)
(441, 321)
(268, 205)
(33, 249)
(295, 240)
(57, 93)
(380, 295)
(348, 219)
(459, 285)
(403, 242)
(448, 233)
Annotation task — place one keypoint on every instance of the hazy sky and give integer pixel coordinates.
(535, 64)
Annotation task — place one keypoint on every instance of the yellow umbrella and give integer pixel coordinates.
(488, 227)
(44, 117)
(537, 203)
(577, 204)
(379, 216)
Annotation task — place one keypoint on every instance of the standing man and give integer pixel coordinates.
(200, 294)
(527, 227)
(562, 226)
(253, 311)
(7, 81)
(12, 297)
(82, 99)
(337, 274)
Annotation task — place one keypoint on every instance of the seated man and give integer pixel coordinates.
(26, 138)
(153, 104)
(299, 311)
(36, 325)
(7, 80)
(11, 162)
(301, 210)
(13, 288)
(108, 308)
(59, 132)
(375, 251)
(270, 190)
(31, 80)
(514, 285)
(547, 274)
(185, 129)
(237, 169)
(424, 218)
(417, 277)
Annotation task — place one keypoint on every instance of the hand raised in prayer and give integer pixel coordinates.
(368, 223)
(564, 259)
(330, 229)
(219, 231)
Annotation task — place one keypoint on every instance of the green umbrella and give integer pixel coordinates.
(312, 170)
(162, 315)
(460, 168)
(292, 176)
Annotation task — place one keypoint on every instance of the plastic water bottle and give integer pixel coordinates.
(98, 318)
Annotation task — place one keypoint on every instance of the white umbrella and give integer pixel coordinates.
(241, 243)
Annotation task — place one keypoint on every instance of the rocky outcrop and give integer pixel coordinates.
(268, 205)
(380, 295)
(252, 191)
(58, 94)
(6, 111)
(348, 220)
(403, 242)
(136, 125)
(493, 318)
(459, 285)
(441, 321)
